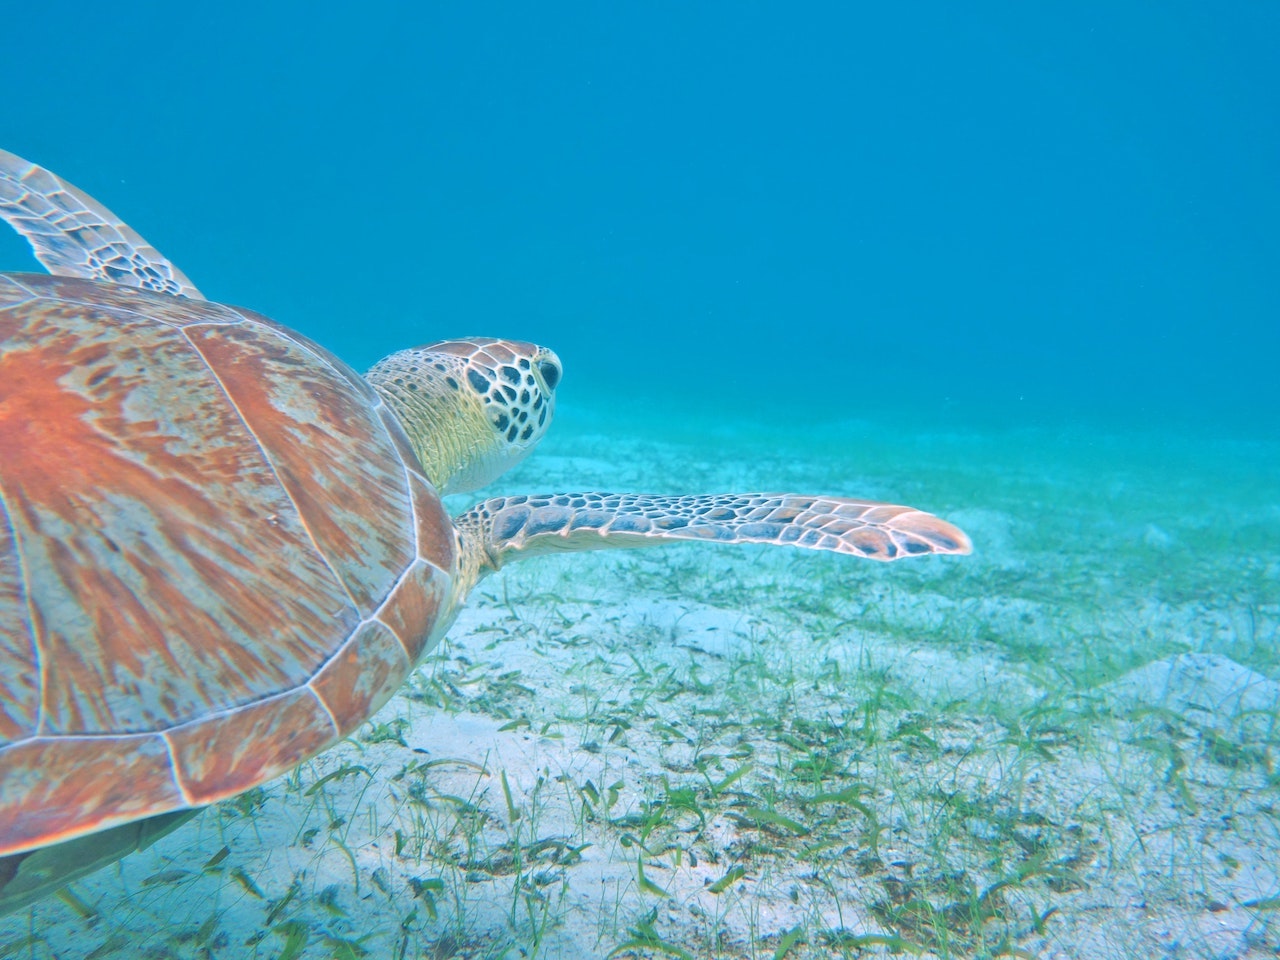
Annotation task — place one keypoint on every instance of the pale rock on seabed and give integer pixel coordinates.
(1062, 746)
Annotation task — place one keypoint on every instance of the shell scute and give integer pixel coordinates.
(437, 540)
(362, 676)
(158, 546)
(128, 301)
(220, 756)
(198, 512)
(328, 447)
(413, 610)
(13, 293)
(59, 787)
(19, 662)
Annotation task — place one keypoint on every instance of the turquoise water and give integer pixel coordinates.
(1067, 208)
(1012, 265)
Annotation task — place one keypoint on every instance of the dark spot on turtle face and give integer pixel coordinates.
(527, 432)
(412, 385)
(511, 434)
(453, 384)
(542, 417)
(550, 373)
(913, 547)
(537, 402)
(510, 374)
(503, 421)
(441, 367)
(478, 383)
(510, 392)
(524, 396)
(523, 415)
(524, 363)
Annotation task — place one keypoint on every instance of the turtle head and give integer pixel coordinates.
(472, 408)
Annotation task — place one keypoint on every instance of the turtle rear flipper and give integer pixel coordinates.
(27, 877)
(73, 235)
(508, 528)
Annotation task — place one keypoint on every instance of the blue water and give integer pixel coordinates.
(1017, 264)
(1018, 211)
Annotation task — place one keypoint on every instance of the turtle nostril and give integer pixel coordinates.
(550, 371)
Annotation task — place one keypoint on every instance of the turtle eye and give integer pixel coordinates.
(550, 371)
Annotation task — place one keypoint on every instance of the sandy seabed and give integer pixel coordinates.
(1064, 745)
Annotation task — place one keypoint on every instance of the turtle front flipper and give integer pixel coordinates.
(508, 528)
(73, 235)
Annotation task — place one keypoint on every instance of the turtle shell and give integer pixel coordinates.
(218, 554)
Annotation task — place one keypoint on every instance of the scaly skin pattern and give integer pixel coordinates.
(515, 527)
(75, 236)
(473, 408)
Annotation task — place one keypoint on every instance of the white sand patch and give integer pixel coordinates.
(1204, 688)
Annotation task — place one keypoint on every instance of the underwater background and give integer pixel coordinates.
(1013, 264)
(833, 209)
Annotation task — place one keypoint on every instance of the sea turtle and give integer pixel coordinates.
(221, 549)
